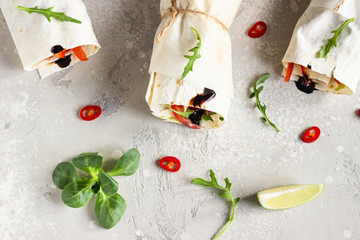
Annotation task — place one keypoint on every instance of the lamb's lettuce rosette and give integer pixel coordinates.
(50, 35)
(324, 52)
(191, 69)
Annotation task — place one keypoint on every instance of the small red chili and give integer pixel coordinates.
(311, 135)
(257, 30)
(169, 163)
(90, 113)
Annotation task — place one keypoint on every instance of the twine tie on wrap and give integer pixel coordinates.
(174, 11)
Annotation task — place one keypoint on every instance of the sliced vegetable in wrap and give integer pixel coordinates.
(324, 51)
(50, 35)
(191, 69)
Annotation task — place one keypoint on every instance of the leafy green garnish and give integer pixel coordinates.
(206, 117)
(225, 192)
(196, 51)
(221, 118)
(333, 41)
(110, 206)
(48, 14)
(183, 114)
(341, 86)
(256, 93)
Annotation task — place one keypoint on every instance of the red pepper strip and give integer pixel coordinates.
(61, 54)
(289, 71)
(181, 119)
(80, 54)
(169, 163)
(257, 30)
(339, 83)
(311, 135)
(90, 113)
(304, 70)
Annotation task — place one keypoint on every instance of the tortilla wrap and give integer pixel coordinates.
(213, 70)
(34, 35)
(310, 34)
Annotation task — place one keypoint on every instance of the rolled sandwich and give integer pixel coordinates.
(324, 52)
(50, 35)
(191, 69)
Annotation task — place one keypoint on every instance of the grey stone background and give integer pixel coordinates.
(40, 127)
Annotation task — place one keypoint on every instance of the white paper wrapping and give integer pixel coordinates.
(310, 34)
(213, 70)
(34, 35)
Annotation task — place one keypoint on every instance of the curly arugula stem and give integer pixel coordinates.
(333, 41)
(262, 108)
(196, 51)
(226, 193)
(48, 14)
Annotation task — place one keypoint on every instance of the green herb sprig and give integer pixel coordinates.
(183, 114)
(109, 206)
(262, 108)
(48, 13)
(225, 192)
(196, 51)
(333, 41)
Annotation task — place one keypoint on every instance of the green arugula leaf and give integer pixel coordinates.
(225, 193)
(183, 114)
(341, 86)
(109, 209)
(64, 174)
(262, 108)
(333, 41)
(196, 51)
(205, 117)
(221, 118)
(48, 13)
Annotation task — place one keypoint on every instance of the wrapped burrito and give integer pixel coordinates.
(324, 52)
(203, 96)
(50, 46)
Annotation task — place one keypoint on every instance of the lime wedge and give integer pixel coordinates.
(289, 196)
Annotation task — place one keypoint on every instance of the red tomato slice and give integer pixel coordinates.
(169, 163)
(257, 30)
(90, 113)
(80, 54)
(311, 135)
(181, 119)
(289, 71)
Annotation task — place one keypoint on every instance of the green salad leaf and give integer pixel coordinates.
(333, 41)
(48, 13)
(77, 192)
(196, 55)
(183, 114)
(225, 192)
(341, 86)
(262, 108)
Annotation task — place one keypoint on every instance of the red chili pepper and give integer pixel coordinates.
(289, 71)
(181, 119)
(169, 163)
(257, 30)
(90, 113)
(311, 135)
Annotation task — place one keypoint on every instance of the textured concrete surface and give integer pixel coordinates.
(40, 127)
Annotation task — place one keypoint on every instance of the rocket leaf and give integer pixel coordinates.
(196, 51)
(48, 13)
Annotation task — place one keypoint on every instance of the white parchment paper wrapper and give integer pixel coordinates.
(34, 35)
(310, 35)
(213, 70)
